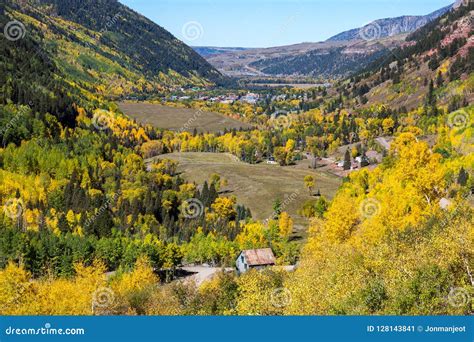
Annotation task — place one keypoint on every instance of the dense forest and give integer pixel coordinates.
(89, 211)
(335, 62)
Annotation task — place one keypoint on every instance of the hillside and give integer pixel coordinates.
(30, 76)
(438, 56)
(108, 48)
(330, 63)
(388, 27)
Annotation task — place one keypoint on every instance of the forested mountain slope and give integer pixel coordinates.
(335, 62)
(435, 61)
(108, 48)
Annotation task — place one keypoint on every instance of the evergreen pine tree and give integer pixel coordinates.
(347, 160)
(463, 177)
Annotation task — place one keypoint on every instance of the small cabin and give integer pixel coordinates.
(254, 258)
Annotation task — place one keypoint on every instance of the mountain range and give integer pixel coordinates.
(339, 56)
(390, 26)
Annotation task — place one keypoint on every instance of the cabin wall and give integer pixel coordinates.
(241, 264)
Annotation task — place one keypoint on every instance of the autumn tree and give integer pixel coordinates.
(285, 225)
(309, 183)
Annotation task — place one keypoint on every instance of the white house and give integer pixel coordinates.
(254, 258)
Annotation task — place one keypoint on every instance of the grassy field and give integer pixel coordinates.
(257, 186)
(185, 119)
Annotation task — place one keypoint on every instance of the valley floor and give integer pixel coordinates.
(258, 186)
(176, 119)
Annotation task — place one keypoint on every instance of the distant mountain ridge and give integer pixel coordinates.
(207, 51)
(388, 27)
(337, 57)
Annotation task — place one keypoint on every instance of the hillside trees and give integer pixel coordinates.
(399, 219)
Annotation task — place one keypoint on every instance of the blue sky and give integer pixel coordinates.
(264, 23)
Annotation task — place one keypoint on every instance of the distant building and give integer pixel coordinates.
(254, 258)
(250, 98)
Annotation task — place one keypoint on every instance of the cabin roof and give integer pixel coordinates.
(263, 256)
